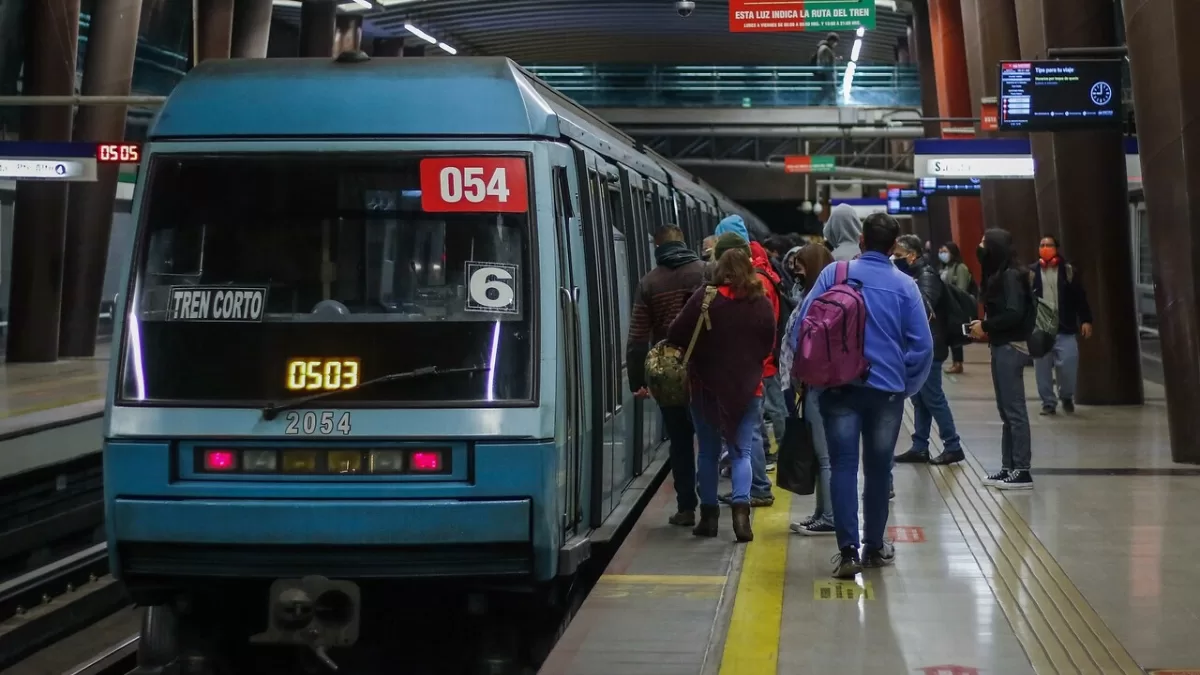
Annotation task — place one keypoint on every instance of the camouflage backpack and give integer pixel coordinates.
(666, 364)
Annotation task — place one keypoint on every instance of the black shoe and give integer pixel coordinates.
(683, 519)
(891, 494)
(845, 564)
(993, 479)
(1068, 405)
(1048, 410)
(913, 456)
(948, 457)
(1018, 479)
(710, 518)
(880, 557)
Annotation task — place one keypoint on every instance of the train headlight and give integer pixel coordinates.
(426, 461)
(220, 460)
(260, 461)
(344, 461)
(387, 461)
(299, 461)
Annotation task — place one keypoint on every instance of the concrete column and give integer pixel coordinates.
(1166, 101)
(40, 213)
(349, 33)
(108, 71)
(935, 224)
(1091, 190)
(251, 29)
(317, 28)
(1031, 29)
(954, 100)
(214, 29)
(990, 36)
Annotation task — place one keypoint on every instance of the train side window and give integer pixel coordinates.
(610, 354)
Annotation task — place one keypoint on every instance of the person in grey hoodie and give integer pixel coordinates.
(842, 231)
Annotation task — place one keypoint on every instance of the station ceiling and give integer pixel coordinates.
(606, 31)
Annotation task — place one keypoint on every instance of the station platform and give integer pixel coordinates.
(1090, 572)
(50, 412)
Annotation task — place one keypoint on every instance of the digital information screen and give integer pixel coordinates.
(902, 201)
(1060, 95)
(950, 187)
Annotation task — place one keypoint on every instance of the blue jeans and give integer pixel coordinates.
(851, 413)
(760, 484)
(709, 436)
(823, 511)
(1062, 364)
(774, 407)
(930, 404)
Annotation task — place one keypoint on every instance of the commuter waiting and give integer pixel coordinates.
(1054, 283)
(930, 403)
(725, 377)
(898, 350)
(956, 273)
(842, 232)
(814, 257)
(773, 406)
(657, 300)
(1009, 314)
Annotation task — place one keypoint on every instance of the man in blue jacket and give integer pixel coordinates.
(899, 347)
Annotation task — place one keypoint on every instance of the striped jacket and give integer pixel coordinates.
(659, 297)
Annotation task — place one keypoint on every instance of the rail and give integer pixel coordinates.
(668, 86)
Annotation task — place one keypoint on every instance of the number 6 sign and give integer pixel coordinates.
(492, 287)
(474, 185)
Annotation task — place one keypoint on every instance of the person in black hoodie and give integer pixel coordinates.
(659, 297)
(930, 403)
(1009, 314)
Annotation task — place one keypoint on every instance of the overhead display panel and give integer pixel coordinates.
(1060, 95)
(950, 187)
(61, 162)
(784, 16)
(906, 201)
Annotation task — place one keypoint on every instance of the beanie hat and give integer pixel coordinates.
(729, 241)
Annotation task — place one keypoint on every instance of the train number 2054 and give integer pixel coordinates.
(312, 423)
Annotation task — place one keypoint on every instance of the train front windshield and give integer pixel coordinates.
(265, 278)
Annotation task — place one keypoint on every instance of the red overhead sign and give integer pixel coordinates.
(988, 117)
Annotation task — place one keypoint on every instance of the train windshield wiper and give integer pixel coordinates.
(272, 410)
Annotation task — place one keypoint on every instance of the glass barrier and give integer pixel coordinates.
(667, 86)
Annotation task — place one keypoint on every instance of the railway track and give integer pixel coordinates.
(120, 659)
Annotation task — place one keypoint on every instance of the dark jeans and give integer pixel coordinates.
(1008, 380)
(678, 423)
(929, 405)
(851, 413)
(956, 354)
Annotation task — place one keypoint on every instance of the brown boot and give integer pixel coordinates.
(955, 368)
(683, 519)
(741, 523)
(710, 516)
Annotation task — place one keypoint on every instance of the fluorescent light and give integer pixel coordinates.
(389, 3)
(287, 3)
(356, 6)
(861, 31)
(886, 4)
(419, 33)
(848, 81)
(857, 48)
(447, 48)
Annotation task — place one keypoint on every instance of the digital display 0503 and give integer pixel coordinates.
(321, 374)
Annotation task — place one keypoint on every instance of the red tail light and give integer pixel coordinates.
(426, 461)
(220, 460)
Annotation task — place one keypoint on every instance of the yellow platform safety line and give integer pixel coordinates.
(1059, 630)
(60, 403)
(664, 579)
(752, 643)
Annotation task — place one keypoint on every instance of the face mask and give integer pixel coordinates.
(1047, 253)
(981, 254)
(944, 257)
(901, 264)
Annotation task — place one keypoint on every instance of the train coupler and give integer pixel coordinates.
(313, 612)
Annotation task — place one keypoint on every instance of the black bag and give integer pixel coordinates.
(796, 469)
(960, 308)
(786, 306)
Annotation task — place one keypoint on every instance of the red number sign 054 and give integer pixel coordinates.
(474, 185)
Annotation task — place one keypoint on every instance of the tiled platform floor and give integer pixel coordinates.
(28, 388)
(1088, 573)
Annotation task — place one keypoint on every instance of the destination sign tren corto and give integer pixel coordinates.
(778, 16)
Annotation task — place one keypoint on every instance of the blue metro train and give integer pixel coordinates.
(373, 332)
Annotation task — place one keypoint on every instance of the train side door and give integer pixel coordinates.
(572, 374)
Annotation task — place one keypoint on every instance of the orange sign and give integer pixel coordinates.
(905, 534)
(988, 117)
(808, 163)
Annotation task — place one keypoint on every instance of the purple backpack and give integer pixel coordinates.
(830, 350)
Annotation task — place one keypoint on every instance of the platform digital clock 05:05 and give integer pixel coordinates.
(322, 374)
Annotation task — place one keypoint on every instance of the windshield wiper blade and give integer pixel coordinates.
(272, 410)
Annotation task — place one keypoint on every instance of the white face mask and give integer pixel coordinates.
(944, 257)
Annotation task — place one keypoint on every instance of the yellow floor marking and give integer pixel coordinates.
(664, 579)
(1059, 630)
(752, 644)
(61, 403)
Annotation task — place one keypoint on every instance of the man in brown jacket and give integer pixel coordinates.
(659, 297)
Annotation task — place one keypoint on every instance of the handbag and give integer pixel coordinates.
(796, 467)
(666, 364)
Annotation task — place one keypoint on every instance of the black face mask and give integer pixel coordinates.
(981, 255)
